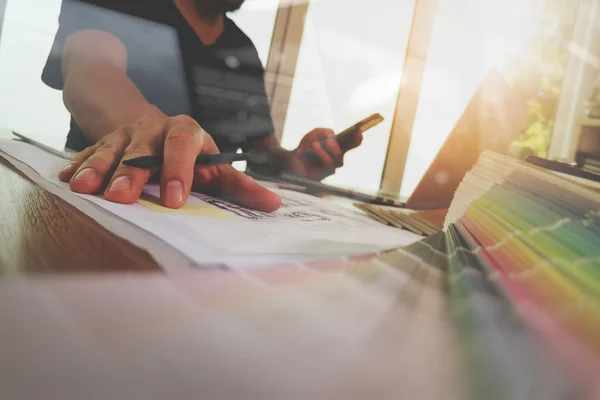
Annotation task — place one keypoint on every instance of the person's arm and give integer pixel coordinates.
(97, 91)
(89, 62)
(326, 154)
(114, 114)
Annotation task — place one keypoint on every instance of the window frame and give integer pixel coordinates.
(283, 59)
(409, 93)
(582, 71)
(2, 15)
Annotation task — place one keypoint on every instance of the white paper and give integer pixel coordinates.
(305, 228)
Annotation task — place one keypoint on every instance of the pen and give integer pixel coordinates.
(147, 162)
(258, 158)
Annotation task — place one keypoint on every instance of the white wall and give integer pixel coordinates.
(26, 104)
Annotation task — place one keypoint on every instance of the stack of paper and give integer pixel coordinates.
(523, 248)
(400, 218)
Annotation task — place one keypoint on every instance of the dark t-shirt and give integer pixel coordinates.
(220, 85)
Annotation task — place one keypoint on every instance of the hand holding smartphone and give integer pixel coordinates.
(346, 137)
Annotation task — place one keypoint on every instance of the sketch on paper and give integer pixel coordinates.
(294, 209)
(338, 214)
(287, 202)
(306, 216)
(234, 208)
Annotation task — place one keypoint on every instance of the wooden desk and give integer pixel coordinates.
(41, 233)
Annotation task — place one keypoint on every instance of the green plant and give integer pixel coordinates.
(539, 75)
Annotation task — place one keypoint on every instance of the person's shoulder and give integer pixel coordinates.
(147, 9)
(110, 4)
(236, 40)
(236, 36)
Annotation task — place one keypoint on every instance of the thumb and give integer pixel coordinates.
(358, 138)
(245, 191)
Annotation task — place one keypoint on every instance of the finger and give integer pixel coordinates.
(183, 143)
(127, 183)
(323, 133)
(315, 135)
(334, 150)
(322, 154)
(69, 170)
(245, 191)
(357, 140)
(93, 172)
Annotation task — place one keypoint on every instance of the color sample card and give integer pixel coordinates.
(524, 269)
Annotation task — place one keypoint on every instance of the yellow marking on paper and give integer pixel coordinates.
(202, 210)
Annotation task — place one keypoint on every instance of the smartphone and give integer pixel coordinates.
(345, 138)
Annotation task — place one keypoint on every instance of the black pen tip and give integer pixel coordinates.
(144, 162)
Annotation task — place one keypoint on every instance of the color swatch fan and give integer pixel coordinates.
(523, 249)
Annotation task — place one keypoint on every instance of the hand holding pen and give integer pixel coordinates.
(180, 140)
(317, 156)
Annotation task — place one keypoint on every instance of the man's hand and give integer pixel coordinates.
(179, 140)
(325, 154)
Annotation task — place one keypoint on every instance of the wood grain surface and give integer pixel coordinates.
(41, 233)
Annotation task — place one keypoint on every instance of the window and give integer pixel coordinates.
(257, 20)
(349, 66)
(524, 40)
(26, 104)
